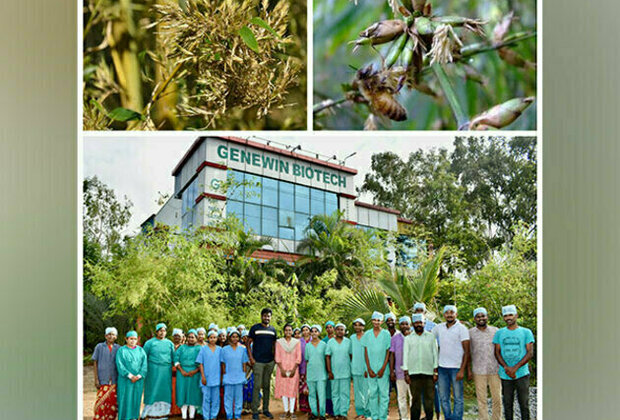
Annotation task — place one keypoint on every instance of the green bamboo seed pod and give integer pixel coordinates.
(395, 50)
(407, 55)
(451, 20)
(424, 26)
(501, 115)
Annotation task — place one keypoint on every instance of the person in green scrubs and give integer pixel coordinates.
(158, 384)
(338, 359)
(189, 395)
(316, 375)
(131, 365)
(377, 343)
(358, 370)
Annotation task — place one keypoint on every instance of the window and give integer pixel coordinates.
(274, 208)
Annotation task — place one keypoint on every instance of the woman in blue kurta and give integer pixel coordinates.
(158, 385)
(188, 394)
(248, 388)
(234, 359)
(131, 365)
(377, 343)
(210, 372)
(316, 375)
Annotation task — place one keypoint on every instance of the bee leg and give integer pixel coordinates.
(401, 82)
(382, 57)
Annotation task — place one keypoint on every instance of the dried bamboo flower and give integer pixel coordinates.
(501, 115)
(219, 70)
(418, 5)
(514, 59)
(381, 32)
(444, 42)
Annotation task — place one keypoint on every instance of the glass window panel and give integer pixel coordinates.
(253, 218)
(253, 188)
(301, 222)
(236, 191)
(331, 203)
(270, 222)
(270, 192)
(302, 199)
(317, 202)
(286, 233)
(286, 218)
(287, 196)
(234, 208)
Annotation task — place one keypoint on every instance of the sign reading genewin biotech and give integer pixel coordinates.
(274, 164)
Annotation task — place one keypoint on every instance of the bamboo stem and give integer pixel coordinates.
(450, 94)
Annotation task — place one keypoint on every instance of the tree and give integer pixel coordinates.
(499, 176)
(165, 276)
(468, 200)
(331, 243)
(105, 217)
(402, 285)
(425, 190)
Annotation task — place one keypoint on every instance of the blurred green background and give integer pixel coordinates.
(336, 22)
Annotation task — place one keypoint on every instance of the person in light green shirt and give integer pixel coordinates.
(358, 370)
(420, 363)
(316, 375)
(338, 359)
(377, 343)
(131, 365)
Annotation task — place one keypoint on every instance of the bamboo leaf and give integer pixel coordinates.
(258, 21)
(124, 114)
(248, 38)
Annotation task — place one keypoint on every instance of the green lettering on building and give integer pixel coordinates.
(278, 165)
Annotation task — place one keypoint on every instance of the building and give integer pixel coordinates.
(277, 190)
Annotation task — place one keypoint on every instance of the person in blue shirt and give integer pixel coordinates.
(514, 347)
(234, 360)
(210, 371)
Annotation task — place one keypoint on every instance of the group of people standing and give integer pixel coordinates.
(424, 362)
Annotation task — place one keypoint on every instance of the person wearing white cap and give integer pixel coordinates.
(377, 342)
(453, 339)
(177, 340)
(158, 382)
(106, 375)
(358, 370)
(483, 367)
(316, 373)
(396, 362)
(514, 347)
(338, 361)
(420, 308)
(420, 364)
(390, 322)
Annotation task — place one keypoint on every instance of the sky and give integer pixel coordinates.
(140, 168)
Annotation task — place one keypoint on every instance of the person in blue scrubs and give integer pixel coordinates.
(377, 343)
(234, 359)
(210, 371)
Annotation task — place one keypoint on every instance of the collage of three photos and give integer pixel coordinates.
(345, 191)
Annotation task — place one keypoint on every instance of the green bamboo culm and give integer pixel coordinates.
(461, 117)
(396, 49)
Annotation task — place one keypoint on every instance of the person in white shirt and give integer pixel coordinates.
(453, 340)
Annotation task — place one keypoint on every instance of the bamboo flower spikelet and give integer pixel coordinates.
(228, 55)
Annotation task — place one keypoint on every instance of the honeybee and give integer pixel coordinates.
(378, 87)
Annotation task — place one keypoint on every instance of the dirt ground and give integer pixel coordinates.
(90, 394)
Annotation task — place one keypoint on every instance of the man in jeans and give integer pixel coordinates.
(420, 367)
(262, 341)
(483, 366)
(514, 347)
(453, 339)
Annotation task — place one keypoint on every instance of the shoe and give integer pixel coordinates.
(267, 414)
(322, 418)
(293, 417)
(313, 417)
(255, 416)
(282, 416)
